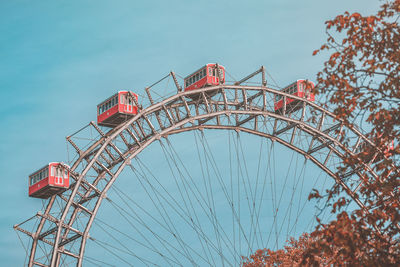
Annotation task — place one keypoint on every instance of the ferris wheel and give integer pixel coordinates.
(207, 176)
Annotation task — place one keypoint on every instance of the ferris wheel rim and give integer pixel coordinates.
(110, 136)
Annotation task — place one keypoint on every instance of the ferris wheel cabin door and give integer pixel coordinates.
(128, 106)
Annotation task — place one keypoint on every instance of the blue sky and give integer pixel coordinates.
(59, 59)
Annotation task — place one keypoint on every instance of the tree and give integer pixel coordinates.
(290, 255)
(361, 82)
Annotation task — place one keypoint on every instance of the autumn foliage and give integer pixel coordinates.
(361, 84)
(290, 255)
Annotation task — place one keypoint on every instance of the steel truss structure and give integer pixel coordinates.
(228, 107)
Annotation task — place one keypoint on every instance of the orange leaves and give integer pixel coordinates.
(356, 15)
(258, 259)
(334, 56)
(361, 82)
(314, 194)
(371, 20)
(329, 24)
(338, 204)
(291, 255)
(324, 47)
(369, 62)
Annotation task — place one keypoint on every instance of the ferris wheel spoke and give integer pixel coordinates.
(210, 197)
(170, 225)
(289, 208)
(231, 195)
(299, 209)
(212, 216)
(264, 186)
(270, 172)
(313, 220)
(127, 250)
(197, 191)
(277, 202)
(254, 214)
(150, 247)
(169, 157)
(97, 262)
(182, 214)
(46, 255)
(292, 199)
(163, 242)
(107, 247)
(25, 247)
(172, 162)
(142, 223)
(229, 199)
(135, 240)
(255, 209)
(147, 213)
(223, 186)
(243, 173)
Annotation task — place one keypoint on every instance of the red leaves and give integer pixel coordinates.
(314, 194)
(361, 81)
(371, 20)
(290, 255)
(356, 15)
(334, 56)
(324, 47)
(258, 259)
(338, 204)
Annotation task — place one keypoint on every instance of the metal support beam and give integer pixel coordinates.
(68, 253)
(332, 128)
(16, 227)
(171, 121)
(124, 140)
(116, 148)
(249, 76)
(264, 101)
(288, 127)
(263, 80)
(245, 102)
(225, 99)
(147, 89)
(77, 205)
(39, 264)
(139, 125)
(97, 128)
(178, 87)
(203, 95)
(250, 117)
(66, 241)
(74, 145)
(186, 106)
(139, 136)
(315, 149)
(150, 124)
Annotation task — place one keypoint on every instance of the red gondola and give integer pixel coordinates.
(205, 76)
(117, 109)
(300, 88)
(50, 180)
